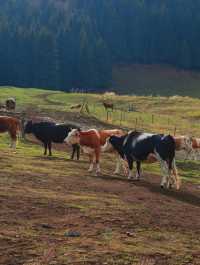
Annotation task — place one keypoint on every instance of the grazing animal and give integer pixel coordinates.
(12, 126)
(108, 105)
(138, 147)
(48, 132)
(91, 142)
(10, 104)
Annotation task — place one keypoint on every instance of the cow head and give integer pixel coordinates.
(73, 137)
(113, 143)
(28, 127)
(107, 147)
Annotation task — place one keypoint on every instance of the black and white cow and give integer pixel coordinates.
(48, 132)
(137, 147)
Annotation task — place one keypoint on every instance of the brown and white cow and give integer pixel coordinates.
(12, 126)
(195, 151)
(183, 143)
(91, 142)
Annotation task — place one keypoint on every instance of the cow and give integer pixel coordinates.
(10, 104)
(108, 105)
(138, 147)
(11, 125)
(181, 143)
(184, 143)
(91, 142)
(48, 132)
(194, 151)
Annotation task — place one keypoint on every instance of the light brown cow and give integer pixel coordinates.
(12, 126)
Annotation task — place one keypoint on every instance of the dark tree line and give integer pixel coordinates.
(62, 44)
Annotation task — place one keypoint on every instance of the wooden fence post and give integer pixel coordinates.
(136, 121)
(175, 131)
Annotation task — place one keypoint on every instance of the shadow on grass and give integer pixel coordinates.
(181, 195)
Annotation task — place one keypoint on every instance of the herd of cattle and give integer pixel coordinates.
(129, 147)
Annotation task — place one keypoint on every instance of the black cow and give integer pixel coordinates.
(137, 146)
(48, 132)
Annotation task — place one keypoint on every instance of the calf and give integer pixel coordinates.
(138, 147)
(91, 142)
(48, 132)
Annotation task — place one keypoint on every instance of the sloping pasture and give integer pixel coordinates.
(118, 222)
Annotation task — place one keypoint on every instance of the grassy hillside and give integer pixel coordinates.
(155, 80)
(120, 222)
(157, 114)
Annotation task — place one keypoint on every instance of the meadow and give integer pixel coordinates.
(118, 222)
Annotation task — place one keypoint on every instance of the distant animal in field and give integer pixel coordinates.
(76, 106)
(12, 126)
(48, 132)
(138, 147)
(108, 105)
(91, 142)
(10, 104)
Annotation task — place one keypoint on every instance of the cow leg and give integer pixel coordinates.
(13, 136)
(97, 156)
(91, 158)
(130, 165)
(163, 170)
(195, 152)
(73, 151)
(78, 151)
(45, 149)
(49, 147)
(13, 144)
(138, 171)
(175, 174)
(118, 165)
(164, 180)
